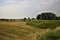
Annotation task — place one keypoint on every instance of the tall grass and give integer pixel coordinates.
(44, 24)
(51, 36)
(15, 31)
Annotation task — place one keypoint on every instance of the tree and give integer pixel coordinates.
(59, 18)
(38, 16)
(33, 19)
(28, 18)
(46, 16)
(25, 19)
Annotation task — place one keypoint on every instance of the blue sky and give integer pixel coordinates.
(27, 8)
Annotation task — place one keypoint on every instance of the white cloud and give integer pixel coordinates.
(23, 8)
(48, 1)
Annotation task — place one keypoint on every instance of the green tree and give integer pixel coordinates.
(46, 16)
(33, 19)
(38, 16)
(25, 19)
(58, 18)
(29, 19)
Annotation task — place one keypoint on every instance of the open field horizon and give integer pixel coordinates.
(29, 19)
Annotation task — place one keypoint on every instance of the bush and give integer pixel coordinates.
(51, 36)
(44, 24)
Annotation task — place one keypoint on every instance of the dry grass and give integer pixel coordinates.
(19, 31)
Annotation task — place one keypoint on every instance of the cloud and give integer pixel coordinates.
(23, 8)
(32, 1)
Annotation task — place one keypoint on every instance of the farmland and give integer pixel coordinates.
(23, 31)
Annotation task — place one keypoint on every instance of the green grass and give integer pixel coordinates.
(44, 24)
(51, 36)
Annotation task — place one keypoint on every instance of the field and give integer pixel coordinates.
(22, 31)
(44, 24)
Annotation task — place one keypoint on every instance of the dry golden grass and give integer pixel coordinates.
(19, 31)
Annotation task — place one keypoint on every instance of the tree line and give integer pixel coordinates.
(47, 16)
(42, 16)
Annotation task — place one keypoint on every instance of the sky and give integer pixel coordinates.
(27, 8)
